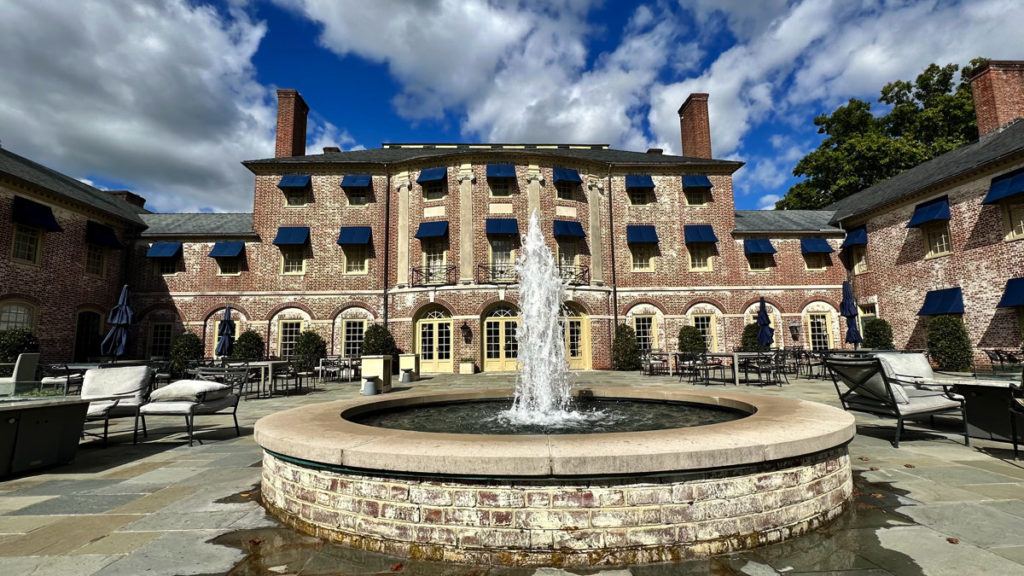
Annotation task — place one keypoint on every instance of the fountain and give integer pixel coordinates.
(604, 476)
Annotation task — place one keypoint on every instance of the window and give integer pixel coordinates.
(160, 339)
(216, 332)
(293, 259)
(500, 187)
(17, 316)
(642, 256)
(434, 258)
(25, 246)
(867, 312)
(1015, 221)
(815, 261)
(502, 258)
(565, 190)
(821, 335)
(355, 258)
(352, 338)
(646, 332)
(759, 262)
(358, 195)
(700, 257)
(95, 259)
(937, 237)
(165, 266)
(229, 266)
(859, 254)
(696, 196)
(296, 196)
(706, 324)
(639, 196)
(288, 334)
(434, 190)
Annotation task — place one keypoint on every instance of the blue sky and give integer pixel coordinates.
(166, 98)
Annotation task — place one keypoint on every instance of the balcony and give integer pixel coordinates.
(433, 275)
(575, 275)
(496, 274)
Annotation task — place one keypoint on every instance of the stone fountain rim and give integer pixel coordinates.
(778, 428)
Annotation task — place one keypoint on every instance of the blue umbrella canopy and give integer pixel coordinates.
(226, 335)
(766, 334)
(848, 309)
(116, 342)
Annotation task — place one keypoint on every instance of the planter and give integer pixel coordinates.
(467, 367)
(378, 367)
(410, 362)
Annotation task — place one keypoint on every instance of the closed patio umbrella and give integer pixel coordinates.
(226, 335)
(765, 334)
(848, 309)
(116, 342)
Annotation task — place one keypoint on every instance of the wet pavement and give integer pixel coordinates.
(933, 506)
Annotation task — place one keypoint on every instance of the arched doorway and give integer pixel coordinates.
(88, 335)
(577, 337)
(434, 341)
(501, 349)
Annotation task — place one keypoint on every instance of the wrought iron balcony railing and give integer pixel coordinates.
(575, 275)
(496, 274)
(433, 275)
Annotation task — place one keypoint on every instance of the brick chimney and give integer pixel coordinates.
(291, 124)
(695, 127)
(129, 197)
(998, 90)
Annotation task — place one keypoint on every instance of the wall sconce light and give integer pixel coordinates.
(794, 331)
(467, 332)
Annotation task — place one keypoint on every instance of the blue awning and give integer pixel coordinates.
(432, 229)
(432, 175)
(356, 180)
(930, 211)
(568, 228)
(227, 249)
(35, 214)
(354, 235)
(164, 250)
(502, 226)
(295, 181)
(101, 235)
(696, 181)
(1013, 296)
(758, 246)
(1005, 186)
(637, 234)
(948, 301)
(815, 246)
(292, 236)
(639, 181)
(501, 171)
(695, 233)
(855, 237)
(566, 175)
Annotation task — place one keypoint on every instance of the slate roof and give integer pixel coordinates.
(395, 153)
(785, 221)
(198, 224)
(28, 171)
(1008, 142)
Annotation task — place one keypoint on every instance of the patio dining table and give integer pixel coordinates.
(736, 357)
(266, 373)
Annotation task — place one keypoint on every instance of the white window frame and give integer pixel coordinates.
(24, 319)
(936, 234)
(95, 255)
(701, 249)
(281, 333)
(641, 257)
(32, 234)
(357, 257)
(290, 251)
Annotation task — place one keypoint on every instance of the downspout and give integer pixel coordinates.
(611, 243)
(387, 242)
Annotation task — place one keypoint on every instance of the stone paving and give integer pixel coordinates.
(933, 506)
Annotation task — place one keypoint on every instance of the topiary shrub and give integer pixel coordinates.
(186, 349)
(378, 341)
(691, 340)
(749, 339)
(17, 341)
(310, 347)
(625, 352)
(249, 346)
(949, 345)
(877, 335)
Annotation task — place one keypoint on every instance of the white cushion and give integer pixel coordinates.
(181, 408)
(190, 391)
(123, 381)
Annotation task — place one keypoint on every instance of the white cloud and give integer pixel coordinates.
(767, 202)
(760, 174)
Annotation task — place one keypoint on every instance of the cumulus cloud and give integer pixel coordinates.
(767, 202)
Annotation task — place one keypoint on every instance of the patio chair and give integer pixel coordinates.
(129, 388)
(24, 372)
(902, 386)
(763, 365)
(329, 367)
(1016, 411)
(60, 377)
(289, 376)
(704, 366)
(994, 358)
(191, 398)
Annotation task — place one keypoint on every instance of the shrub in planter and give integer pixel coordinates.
(17, 341)
(249, 346)
(949, 345)
(378, 341)
(749, 339)
(310, 347)
(625, 352)
(186, 349)
(691, 340)
(877, 335)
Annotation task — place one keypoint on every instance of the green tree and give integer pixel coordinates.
(949, 345)
(625, 351)
(248, 346)
(691, 340)
(878, 334)
(378, 341)
(310, 347)
(14, 342)
(186, 349)
(749, 338)
(927, 117)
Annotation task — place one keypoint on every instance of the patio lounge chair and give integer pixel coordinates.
(1016, 411)
(902, 386)
(118, 393)
(24, 372)
(191, 398)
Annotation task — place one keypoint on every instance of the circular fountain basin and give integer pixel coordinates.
(569, 500)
